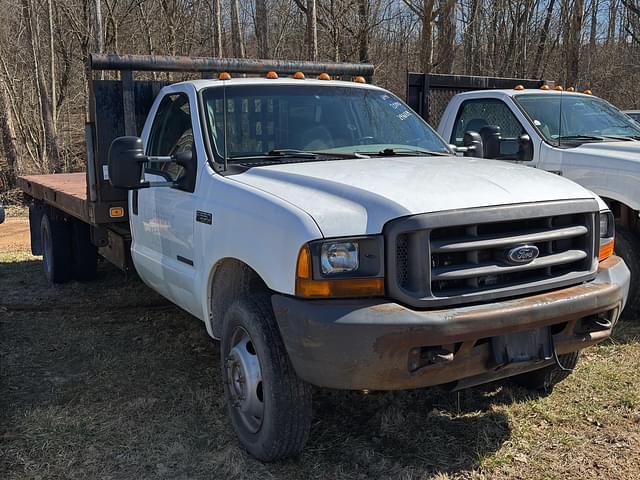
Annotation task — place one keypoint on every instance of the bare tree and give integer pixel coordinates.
(237, 40)
(262, 28)
(312, 30)
(217, 29)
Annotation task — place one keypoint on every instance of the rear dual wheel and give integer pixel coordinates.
(67, 251)
(269, 406)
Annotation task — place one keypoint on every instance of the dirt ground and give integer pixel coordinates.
(109, 381)
(14, 234)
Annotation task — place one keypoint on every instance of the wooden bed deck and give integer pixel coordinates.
(66, 191)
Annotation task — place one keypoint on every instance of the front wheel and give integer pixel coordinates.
(270, 407)
(546, 378)
(627, 246)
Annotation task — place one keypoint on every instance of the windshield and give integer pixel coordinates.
(584, 119)
(272, 120)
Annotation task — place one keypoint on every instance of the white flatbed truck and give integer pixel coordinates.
(328, 236)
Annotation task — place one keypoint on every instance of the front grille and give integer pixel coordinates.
(461, 256)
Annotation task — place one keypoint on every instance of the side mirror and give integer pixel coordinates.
(126, 159)
(473, 142)
(187, 160)
(525, 151)
(491, 139)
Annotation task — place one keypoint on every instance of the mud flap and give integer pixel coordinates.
(530, 346)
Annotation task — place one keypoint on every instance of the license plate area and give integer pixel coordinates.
(529, 346)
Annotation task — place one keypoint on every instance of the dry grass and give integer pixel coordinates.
(107, 380)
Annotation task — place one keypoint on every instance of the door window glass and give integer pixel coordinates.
(476, 114)
(171, 133)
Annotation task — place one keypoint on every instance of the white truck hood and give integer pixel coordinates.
(355, 197)
(610, 169)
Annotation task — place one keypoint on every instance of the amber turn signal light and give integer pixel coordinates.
(307, 287)
(606, 250)
(116, 212)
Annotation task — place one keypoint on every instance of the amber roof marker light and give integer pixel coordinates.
(587, 92)
(224, 76)
(545, 87)
(519, 87)
(298, 76)
(359, 79)
(324, 76)
(272, 75)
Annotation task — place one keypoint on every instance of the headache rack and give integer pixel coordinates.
(429, 93)
(120, 106)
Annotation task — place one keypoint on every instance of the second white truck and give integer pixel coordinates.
(576, 135)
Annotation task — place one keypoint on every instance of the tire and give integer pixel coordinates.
(627, 246)
(56, 249)
(546, 378)
(84, 253)
(269, 406)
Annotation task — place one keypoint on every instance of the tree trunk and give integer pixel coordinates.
(48, 122)
(312, 30)
(7, 138)
(217, 29)
(471, 38)
(262, 28)
(236, 34)
(363, 17)
(446, 36)
(537, 66)
(573, 39)
(52, 67)
(426, 36)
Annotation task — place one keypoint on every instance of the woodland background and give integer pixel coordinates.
(44, 45)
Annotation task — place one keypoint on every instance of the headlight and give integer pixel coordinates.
(607, 234)
(606, 224)
(339, 257)
(346, 267)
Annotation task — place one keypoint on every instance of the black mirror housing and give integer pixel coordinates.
(491, 139)
(126, 160)
(525, 152)
(475, 147)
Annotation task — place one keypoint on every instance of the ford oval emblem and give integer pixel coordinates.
(522, 254)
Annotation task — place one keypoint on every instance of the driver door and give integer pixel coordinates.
(164, 216)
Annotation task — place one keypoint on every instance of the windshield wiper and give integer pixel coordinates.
(276, 154)
(291, 152)
(581, 137)
(403, 152)
(622, 138)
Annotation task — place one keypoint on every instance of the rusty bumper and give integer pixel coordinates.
(381, 345)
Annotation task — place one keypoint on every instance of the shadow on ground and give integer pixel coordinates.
(109, 380)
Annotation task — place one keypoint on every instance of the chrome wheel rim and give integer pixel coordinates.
(244, 380)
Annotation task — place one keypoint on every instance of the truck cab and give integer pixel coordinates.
(575, 135)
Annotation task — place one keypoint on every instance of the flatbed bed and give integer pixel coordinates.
(65, 191)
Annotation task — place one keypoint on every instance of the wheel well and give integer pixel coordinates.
(624, 215)
(231, 279)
